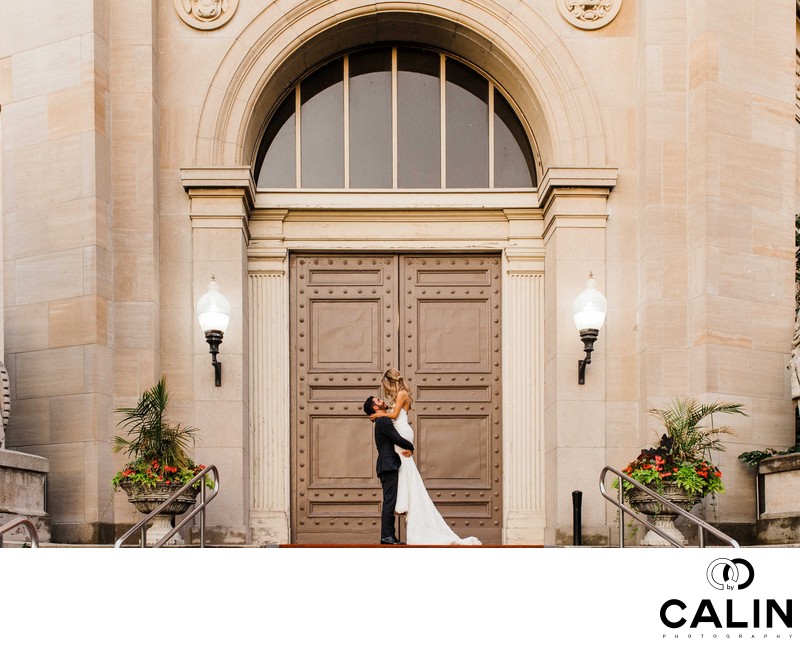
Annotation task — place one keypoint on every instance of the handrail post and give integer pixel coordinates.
(16, 522)
(619, 503)
(200, 478)
(202, 515)
(576, 518)
(621, 515)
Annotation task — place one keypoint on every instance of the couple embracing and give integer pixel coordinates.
(403, 489)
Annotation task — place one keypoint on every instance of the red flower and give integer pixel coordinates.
(718, 473)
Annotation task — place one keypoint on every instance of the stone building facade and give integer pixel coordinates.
(663, 140)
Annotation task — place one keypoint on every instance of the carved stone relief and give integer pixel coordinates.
(589, 15)
(6, 403)
(797, 85)
(206, 14)
(794, 362)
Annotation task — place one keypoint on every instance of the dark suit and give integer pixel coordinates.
(387, 466)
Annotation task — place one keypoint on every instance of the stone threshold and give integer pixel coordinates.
(373, 545)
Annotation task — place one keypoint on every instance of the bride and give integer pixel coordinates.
(424, 523)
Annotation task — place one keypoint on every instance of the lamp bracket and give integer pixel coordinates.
(588, 336)
(214, 339)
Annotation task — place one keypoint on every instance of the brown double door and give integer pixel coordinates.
(436, 319)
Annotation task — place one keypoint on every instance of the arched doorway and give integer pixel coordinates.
(389, 119)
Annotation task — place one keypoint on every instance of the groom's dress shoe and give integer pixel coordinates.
(391, 540)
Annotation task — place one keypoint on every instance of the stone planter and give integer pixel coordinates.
(661, 516)
(147, 499)
(22, 493)
(779, 483)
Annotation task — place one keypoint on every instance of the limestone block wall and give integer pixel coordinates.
(739, 206)
(136, 135)
(697, 255)
(57, 263)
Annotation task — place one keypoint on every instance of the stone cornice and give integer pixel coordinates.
(208, 181)
(575, 180)
(575, 197)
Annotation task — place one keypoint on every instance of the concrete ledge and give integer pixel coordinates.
(780, 463)
(24, 461)
(22, 492)
(780, 522)
(778, 529)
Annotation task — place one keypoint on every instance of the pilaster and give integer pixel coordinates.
(523, 401)
(270, 489)
(220, 204)
(575, 209)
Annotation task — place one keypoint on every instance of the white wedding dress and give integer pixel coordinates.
(424, 523)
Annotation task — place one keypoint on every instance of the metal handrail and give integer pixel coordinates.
(703, 526)
(200, 508)
(16, 522)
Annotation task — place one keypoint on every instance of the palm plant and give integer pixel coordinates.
(689, 440)
(157, 450)
(683, 454)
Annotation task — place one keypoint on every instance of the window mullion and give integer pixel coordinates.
(394, 118)
(298, 148)
(491, 134)
(443, 118)
(346, 112)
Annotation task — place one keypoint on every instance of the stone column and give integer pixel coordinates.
(269, 396)
(575, 207)
(221, 199)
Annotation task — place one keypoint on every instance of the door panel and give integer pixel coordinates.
(344, 314)
(437, 320)
(450, 347)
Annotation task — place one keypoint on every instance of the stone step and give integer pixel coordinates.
(26, 544)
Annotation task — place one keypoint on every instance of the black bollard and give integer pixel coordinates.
(576, 517)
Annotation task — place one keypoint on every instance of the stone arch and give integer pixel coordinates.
(520, 51)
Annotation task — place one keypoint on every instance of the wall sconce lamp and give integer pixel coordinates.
(589, 314)
(214, 314)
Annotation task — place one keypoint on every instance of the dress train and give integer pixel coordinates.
(424, 523)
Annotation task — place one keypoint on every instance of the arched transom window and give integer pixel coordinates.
(395, 118)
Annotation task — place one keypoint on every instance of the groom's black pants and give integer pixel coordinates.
(389, 484)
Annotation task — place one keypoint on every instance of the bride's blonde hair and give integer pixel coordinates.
(392, 383)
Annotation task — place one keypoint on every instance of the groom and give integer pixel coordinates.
(387, 466)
